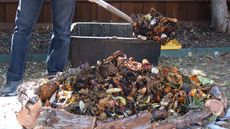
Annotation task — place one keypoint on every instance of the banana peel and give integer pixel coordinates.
(172, 45)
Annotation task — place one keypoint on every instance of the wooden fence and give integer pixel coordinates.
(184, 10)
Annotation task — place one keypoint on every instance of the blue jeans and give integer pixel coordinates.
(26, 16)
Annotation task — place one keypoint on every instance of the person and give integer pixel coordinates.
(26, 16)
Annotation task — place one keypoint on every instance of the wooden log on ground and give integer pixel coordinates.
(218, 93)
(185, 120)
(216, 106)
(27, 116)
(159, 115)
(140, 121)
(60, 119)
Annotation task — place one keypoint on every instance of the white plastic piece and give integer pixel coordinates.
(190, 54)
(153, 22)
(163, 36)
(198, 72)
(53, 97)
(216, 53)
(155, 70)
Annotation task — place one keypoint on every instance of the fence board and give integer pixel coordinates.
(132, 7)
(114, 17)
(94, 12)
(184, 10)
(172, 9)
(45, 14)
(10, 11)
(185, 13)
(148, 5)
(103, 15)
(84, 11)
(201, 8)
(2, 13)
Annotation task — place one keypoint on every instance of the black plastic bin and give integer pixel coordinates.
(92, 41)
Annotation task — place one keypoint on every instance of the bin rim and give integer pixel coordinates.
(105, 37)
(102, 23)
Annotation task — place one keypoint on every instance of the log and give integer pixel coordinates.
(27, 116)
(26, 93)
(31, 104)
(140, 121)
(216, 106)
(60, 119)
(217, 92)
(180, 122)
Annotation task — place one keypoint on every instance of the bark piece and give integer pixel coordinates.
(27, 116)
(140, 121)
(26, 93)
(60, 119)
(216, 106)
(180, 122)
(159, 115)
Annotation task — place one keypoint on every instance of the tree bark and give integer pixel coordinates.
(220, 15)
(50, 118)
(183, 121)
(140, 121)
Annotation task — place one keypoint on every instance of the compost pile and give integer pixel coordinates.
(118, 87)
(154, 26)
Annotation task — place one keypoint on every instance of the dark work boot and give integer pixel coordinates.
(10, 88)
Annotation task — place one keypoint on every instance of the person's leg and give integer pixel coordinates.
(62, 15)
(26, 16)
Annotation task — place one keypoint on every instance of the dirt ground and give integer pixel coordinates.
(197, 35)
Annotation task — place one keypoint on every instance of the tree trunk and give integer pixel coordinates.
(220, 15)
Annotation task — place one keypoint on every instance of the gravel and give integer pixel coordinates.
(196, 35)
(39, 42)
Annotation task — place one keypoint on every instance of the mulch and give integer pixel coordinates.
(190, 36)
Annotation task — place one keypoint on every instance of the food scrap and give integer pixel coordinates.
(154, 26)
(118, 86)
